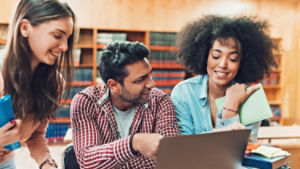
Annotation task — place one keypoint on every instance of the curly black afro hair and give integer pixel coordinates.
(257, 48)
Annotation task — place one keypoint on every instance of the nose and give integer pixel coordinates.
(223, 63)
(150, 83)
(64, 45)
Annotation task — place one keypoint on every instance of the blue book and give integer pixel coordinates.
(6, 115)
(259, 161)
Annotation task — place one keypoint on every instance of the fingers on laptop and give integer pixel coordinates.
(147, 144)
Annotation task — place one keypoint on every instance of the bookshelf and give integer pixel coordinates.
(166, 71)
(273, 85)
(3, 34)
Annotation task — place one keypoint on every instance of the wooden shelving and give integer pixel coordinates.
(2, 42)
(273, 87)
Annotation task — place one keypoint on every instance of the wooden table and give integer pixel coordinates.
(284, 137)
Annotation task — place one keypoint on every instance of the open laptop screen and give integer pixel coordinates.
(218, 150)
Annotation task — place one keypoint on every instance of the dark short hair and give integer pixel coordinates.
(117, 55)
(196, 39)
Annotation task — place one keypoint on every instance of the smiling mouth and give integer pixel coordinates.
(221, 74)
(55, 54)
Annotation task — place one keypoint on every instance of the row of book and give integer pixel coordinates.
(162, 38)
(74, 90)
(105, 38)
(63, 112)
(83, 74)
(76, 56)
(56, 131)
(273, 79)
(276, 111)
(166, 79)
(163, 57)
(3, 31)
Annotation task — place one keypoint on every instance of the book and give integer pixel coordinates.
(258, 161)
(255, 107)
(269, 152)
(6, 115)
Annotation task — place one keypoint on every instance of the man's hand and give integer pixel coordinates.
(146, 144)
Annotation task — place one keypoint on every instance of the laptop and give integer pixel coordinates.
(218, 150)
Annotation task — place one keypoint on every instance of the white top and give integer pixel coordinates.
(123, 120)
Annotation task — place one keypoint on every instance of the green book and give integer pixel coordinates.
(255, 108)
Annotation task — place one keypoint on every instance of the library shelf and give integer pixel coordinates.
(66, 101)
(166, 66)
(2, 41)
(81, 83)
(100, 46)
(60, 120)
(166, 82)
(83, 46)
(274, 102)
(269, 87)
(163, 48)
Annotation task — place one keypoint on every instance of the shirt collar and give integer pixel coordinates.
(203, 87)
(106, 95)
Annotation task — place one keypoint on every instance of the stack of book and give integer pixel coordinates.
(265, 157)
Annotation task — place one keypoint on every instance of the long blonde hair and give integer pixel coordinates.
(35, 92)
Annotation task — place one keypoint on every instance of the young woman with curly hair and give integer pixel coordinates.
(227, 54)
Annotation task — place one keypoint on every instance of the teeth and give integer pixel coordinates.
(221, 74)
(55, 54)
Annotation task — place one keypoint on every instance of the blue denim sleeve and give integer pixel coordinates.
(184, 119)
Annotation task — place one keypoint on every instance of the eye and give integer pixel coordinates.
(234, 58)
(57, 36)
(140, 80)
(215, 56)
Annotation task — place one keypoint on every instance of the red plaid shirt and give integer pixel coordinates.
(94, 128)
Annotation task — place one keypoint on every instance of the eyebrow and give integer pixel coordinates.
(233, 52)
(62, 31)
(144, 76)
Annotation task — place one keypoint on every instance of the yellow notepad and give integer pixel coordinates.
(255, 108)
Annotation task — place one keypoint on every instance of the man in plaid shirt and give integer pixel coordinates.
(119, 122)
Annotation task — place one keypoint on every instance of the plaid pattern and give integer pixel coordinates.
(95, 136)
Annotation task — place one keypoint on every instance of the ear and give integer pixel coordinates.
(25, 28)
(114, 86)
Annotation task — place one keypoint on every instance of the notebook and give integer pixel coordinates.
(217, 150)
(6, 115)
(255, 108)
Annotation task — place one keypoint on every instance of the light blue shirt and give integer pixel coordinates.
(190, 98)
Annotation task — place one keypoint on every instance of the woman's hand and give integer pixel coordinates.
(235, 96)
(9, 133)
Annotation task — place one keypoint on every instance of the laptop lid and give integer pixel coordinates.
(217, 150)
